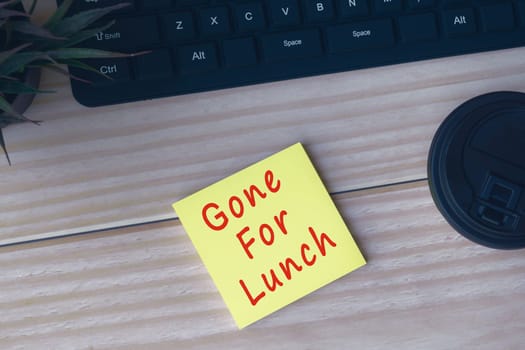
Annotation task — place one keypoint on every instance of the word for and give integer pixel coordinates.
(266, 233)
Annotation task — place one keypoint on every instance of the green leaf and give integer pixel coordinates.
(4, 55)
(7, 109)
(83, 53)
(17, 62)
(9, 3)
(59, 69)
(16, 87)
(56, 68)
(71, 25)
(6, 120)
(82, 65)
(32, 7)
(85, 35)
(33, 30)
(2, 144)
(8, 13)
(59, 14)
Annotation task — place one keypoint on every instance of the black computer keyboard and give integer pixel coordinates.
(205, 45)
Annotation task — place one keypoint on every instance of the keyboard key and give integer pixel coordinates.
(459, 22)
(154, 65)
(290, 45)
(239, 52)
(383, 6)
(197, 59)
(418, 27)
(177, 27)
(284, 12)
(128, 34)
(360, 36)
(497, 17)
(319, 10)
(214, 21)
(353, 8)
(250, 16)
(116, 71)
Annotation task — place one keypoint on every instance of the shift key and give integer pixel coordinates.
(291, 45)
(360, 36)
(128, 34)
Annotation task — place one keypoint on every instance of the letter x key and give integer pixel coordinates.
(214, 21)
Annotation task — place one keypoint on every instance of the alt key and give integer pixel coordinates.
(459, 22)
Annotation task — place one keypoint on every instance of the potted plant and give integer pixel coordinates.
(27, 48)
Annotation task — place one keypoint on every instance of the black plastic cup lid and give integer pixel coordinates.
(476, 169)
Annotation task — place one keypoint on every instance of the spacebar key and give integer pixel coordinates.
(360, 36)
(291, 45)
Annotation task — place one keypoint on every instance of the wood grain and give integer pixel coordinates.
(86, 169)
(425, 287)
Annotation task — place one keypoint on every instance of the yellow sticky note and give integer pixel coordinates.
(269, 235)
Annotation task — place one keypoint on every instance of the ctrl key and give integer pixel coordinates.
(116, 70)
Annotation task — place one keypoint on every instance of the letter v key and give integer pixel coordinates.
(284, 12)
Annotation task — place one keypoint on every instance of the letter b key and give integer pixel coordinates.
(319, 10)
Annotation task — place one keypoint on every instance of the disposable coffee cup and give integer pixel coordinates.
(476, 169)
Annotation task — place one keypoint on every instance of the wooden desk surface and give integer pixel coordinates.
(143, 286)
